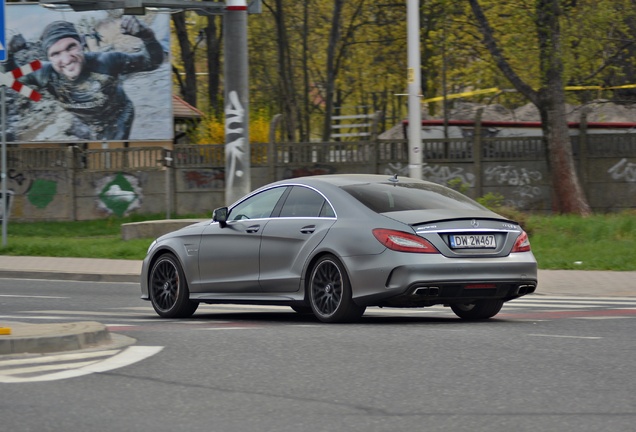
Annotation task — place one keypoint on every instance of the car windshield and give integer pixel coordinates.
(390, 197)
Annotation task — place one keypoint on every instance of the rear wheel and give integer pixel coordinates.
(330, 294)
(479, 310)
(169, 293)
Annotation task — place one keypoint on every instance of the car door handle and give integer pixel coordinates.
(308, 229)
(253, 228)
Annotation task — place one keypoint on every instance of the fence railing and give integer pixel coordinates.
(283, 154)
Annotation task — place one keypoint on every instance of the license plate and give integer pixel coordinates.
(473, 241)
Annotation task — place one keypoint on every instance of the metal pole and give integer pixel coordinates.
(5, 210)
(237, 143)
(414, 89)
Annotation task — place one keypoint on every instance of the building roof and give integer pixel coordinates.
(183, 110)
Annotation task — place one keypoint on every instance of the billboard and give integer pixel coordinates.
(104, 76)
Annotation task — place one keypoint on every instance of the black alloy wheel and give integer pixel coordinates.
(330, 294)
(169, 293)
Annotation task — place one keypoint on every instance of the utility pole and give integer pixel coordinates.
(414, 89)
(237, 143)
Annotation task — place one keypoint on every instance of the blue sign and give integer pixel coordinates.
(3, 36)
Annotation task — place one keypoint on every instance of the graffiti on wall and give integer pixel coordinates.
(623, 171)
(234, 149)
(522, 179)
(316, 169)
(444, 174)
(440, 174)
(118, 194)
(42, 192)
(204, 179)
(396, 168)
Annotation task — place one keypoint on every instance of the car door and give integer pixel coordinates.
(289, 239)
(229, 255)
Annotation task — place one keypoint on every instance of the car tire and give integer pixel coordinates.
(168, 289)
(479, 310)
(330, 294)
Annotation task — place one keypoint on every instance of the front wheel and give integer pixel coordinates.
(168, 288)
(330, 294)
(479, 310)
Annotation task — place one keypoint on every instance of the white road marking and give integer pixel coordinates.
(127, 357)
(32, 296)
(513, 305)
(59, 357)
(47, 368)
(90, 313)
(565, 336)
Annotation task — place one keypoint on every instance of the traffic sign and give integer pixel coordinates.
(3, 35)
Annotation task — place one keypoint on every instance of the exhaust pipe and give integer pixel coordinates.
(427, 291)
(525, 289)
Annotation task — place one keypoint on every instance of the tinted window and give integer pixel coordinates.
(388, 197)
(257, 206)
(305, 202)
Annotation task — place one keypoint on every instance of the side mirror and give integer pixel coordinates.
(220, 216)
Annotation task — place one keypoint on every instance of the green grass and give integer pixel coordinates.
(85, 239)
(599, 242)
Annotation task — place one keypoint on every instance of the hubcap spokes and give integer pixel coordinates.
(326, 288)
(165, 285)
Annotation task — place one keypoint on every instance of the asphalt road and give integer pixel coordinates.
(545, 363)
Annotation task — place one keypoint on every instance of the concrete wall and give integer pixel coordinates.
(68, 184)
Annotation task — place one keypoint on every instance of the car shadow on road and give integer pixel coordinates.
(294, 318)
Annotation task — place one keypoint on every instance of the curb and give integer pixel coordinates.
(83, 277)
(49, 338)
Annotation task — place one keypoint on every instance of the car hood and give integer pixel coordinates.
(416, 217)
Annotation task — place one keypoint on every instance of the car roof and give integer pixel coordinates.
(340, 180)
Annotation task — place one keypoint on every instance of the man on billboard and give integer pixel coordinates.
(89, 84)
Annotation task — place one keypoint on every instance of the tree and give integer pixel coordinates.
(214, 43)
(568, 196)
(189, 87)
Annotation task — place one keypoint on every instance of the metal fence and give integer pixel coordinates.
(285, 154)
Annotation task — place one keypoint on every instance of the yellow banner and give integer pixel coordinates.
(497, 90)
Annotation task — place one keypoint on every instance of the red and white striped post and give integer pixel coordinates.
(10, 79)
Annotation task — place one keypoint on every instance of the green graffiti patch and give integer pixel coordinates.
(118, 195)
(42, 192)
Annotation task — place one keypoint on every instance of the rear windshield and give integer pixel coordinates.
(389, 197)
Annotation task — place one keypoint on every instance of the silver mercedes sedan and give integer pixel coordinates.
(334, 245)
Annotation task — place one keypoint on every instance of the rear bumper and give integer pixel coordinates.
(415, 280)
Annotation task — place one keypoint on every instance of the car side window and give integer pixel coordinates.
(305, 202)
(257, 206)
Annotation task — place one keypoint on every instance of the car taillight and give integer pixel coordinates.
(522, 244)
(403, 242)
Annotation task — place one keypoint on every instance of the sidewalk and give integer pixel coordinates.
(42, 338)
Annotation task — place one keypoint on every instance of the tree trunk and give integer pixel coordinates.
(567, 193)
(189, 89)
(568, 196)
(329, 85)
(286, 75)
(214, 37)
